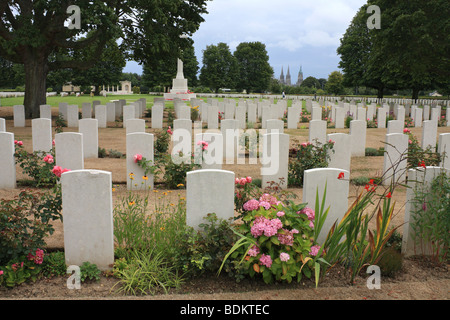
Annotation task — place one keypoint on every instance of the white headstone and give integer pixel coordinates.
(88, 218)
(230, 134)
(69, 150)
(358, 129)
(213, 155)
(213, 117)
(157, 116)
(7, 162)
(86, 110)
(317, 130)
(2, 125)
(100, 115)
(275, 160)
(444, 150)
(110, 112)
(72, 116)
(315, 181)
(204, 197)
(19, 116)
(89, 129)
(394, 165)
(429, 134)
(135, 125)
(419, 180)
(340, 157)
(252, 112)
(339, 118)
(274, 126)
(139, 144)
(45, 111)
(41, 129)
(128, 113)
(395, 126)
(381, 118)
(62, 110)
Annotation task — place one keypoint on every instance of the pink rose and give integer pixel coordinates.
(137, 157)
(249, 179)
(48, 158)
(242, 181)
(57, 171)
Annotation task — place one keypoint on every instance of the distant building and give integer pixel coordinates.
(300, 77)
(282, 81)
(68, 87)
(287, 80)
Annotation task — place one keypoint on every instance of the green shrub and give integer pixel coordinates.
(431, 223)
(206, 248)
(89, 271)
(26, 221)
(307, 156)
(391, 262)
(54, 264)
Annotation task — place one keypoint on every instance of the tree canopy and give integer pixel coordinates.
(33, 33)
(411, 50)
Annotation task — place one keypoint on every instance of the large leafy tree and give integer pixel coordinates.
(220, 68)
(358, 55)
(33, 33)
(255, 71)
(334, 84)
(409, 51)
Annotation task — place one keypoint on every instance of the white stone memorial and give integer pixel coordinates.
(69, 150)
(337, 191)
(41, 131)
(139, 144)
(204, 197)
(88, 218)
(19, 116)
(275, 160)
(7, 161)
(89, 129)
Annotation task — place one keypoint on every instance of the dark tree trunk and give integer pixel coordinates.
(415, 94)
(36, 70)
(380, 93)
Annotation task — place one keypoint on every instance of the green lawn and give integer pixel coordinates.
(55, 100)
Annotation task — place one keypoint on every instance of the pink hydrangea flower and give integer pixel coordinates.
(265, 204)
(309, 213)
(266, 260)
(286, 237)
(251, 205)
(314, 250)
(268, 198)
(284, 256)
(253, 252)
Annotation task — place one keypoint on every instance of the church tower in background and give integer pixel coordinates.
(282, 76)
(300, 77)
(288, 78)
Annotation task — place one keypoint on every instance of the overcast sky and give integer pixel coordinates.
(296, 32)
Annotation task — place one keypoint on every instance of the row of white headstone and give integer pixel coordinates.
(88, 224)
